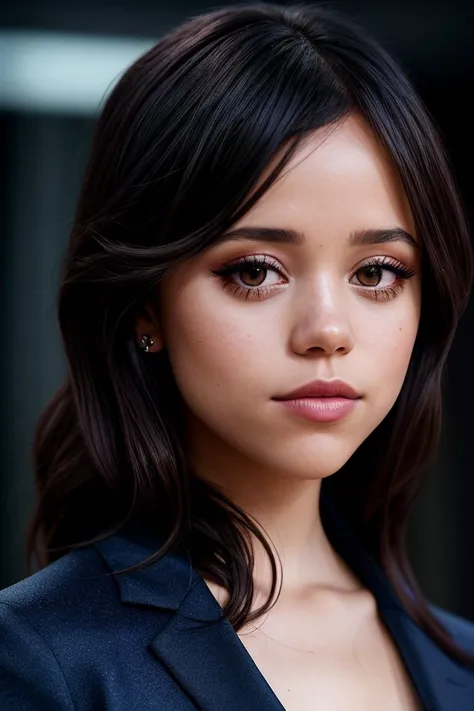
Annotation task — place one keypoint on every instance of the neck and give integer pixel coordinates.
(286, 508)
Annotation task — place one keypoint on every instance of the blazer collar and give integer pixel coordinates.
(205, 655)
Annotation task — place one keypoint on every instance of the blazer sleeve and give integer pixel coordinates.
(31, 678)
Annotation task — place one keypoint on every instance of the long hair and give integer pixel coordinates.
(179, 147)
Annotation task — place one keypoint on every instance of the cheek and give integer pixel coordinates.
(388, 353)
(214, 348)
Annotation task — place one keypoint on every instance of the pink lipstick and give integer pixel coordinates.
(321, 400)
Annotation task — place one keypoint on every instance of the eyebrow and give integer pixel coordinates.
(290, 236)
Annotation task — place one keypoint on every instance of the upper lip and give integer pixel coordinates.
(322, 388)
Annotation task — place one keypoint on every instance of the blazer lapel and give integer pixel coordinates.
(196, 643)
(205, 655)
(442, 683)
(203, 652)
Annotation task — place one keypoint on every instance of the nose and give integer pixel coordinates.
(321, 321)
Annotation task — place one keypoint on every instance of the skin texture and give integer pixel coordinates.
(232, 353)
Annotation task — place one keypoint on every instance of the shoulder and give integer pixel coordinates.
(461, 629)
(38, 619)
(58, 628)
(67, 584)
(74, 634)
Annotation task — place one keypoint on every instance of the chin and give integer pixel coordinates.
(310, 462)
(319, 469)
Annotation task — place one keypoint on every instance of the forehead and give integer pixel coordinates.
(340, 176)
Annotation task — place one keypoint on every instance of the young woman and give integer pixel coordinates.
(266, 269)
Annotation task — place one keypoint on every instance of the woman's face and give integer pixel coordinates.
(251, 320)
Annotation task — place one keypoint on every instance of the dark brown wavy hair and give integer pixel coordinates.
(179, 147)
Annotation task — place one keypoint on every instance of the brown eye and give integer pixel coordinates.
(370, 275)
(253, 276)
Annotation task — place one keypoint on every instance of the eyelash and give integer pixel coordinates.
(264, 261)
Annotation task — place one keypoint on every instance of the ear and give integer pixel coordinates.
(147, 324)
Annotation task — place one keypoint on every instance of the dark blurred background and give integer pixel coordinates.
(57, 62)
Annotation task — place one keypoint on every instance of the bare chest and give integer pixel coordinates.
(362, 671)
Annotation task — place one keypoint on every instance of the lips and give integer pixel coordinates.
(321, 389)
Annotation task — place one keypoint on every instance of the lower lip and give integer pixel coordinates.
(320, 409)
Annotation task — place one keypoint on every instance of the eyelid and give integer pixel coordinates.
(270, 262)
(260, 260)
(386, 262)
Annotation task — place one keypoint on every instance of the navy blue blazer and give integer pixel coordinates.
(74, 637)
